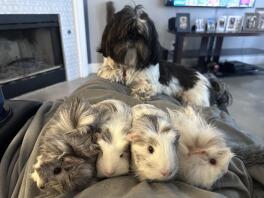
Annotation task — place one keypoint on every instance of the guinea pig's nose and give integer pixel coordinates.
(109, 173)
(166, 173)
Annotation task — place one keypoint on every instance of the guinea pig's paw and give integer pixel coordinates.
(35, 175)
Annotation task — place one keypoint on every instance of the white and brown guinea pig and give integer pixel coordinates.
(203, 154)
(67, 156)
(115, 120)
(153, 144)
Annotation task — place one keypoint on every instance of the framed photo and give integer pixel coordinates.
(200, 25)
(211, 25)
(250, 22)
(221, 24)
(234, 24)
(183, 22)
(260, 19)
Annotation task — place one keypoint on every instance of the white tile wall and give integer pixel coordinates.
(65, 10)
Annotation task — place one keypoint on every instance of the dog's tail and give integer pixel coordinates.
(220, 94)
(250, 154)
(110, 11)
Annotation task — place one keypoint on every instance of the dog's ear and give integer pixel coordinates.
(103, 47)
(110, 11)
(155, 45)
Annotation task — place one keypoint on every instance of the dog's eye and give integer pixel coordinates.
(150, 149)
(212, 161)
(57, 171)
(122, 155)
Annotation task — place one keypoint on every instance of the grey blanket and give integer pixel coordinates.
(16, 165)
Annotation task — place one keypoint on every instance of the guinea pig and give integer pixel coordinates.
(61, 169)
(68, 151)
(115, 122)
(153, 144)
(203, 154)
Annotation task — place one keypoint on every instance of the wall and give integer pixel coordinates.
(160, 15)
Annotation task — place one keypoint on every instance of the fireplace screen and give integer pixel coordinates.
(30, 52)
(27, 52)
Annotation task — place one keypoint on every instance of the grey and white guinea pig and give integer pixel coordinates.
(153, 144)
(203, 154)
(68, 151)
(115, 121)
(64, 164)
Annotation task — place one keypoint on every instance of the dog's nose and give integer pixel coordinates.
(41, 187)
(109, 173)
(166, 172)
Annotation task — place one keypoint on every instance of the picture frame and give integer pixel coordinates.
(250, 23)
(211, 25)
(260, 16)
(183, 22)
(200, 25)
(221, 24)
(234, 24)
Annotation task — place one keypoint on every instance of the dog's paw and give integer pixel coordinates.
(114, 75)
(142, 92)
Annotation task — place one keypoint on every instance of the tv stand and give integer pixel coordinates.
(208, 51)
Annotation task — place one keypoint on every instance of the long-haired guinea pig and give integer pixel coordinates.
(203, 154)
(68, 151)
(153, 144)
(115, 122)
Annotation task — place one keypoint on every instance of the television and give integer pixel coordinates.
(211, 3)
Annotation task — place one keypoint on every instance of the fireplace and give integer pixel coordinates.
(30, 53)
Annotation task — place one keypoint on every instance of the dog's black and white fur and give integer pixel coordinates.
(131, 49)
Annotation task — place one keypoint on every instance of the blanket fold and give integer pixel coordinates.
(17, 162)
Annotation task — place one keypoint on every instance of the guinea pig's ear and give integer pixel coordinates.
(177, 138)
(225, 152)
(171, 113)
(100, 141)
(98, 137)
(133, 136)
(105, 110)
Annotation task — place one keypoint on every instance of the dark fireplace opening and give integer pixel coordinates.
(30, 53)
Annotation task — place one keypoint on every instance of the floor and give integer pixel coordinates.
(248, 103)
(247, 108)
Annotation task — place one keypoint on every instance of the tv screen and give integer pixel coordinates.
(211, 3)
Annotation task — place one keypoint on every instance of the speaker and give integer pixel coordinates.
(3, 109)
(172, 24)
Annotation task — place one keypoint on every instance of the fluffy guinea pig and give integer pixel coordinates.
(153, 144)
(68, 151)
(115, 122)
(203, 154)
(62, 169)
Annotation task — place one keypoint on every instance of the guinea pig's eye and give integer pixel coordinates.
(122, 155)
(212, 161)
(57, 171)
(150, 149)
(67, 169)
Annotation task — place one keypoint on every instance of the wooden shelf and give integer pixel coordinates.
(211, 46)
(224, 52)
(199, 34)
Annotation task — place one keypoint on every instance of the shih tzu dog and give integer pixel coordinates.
(131, 50)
